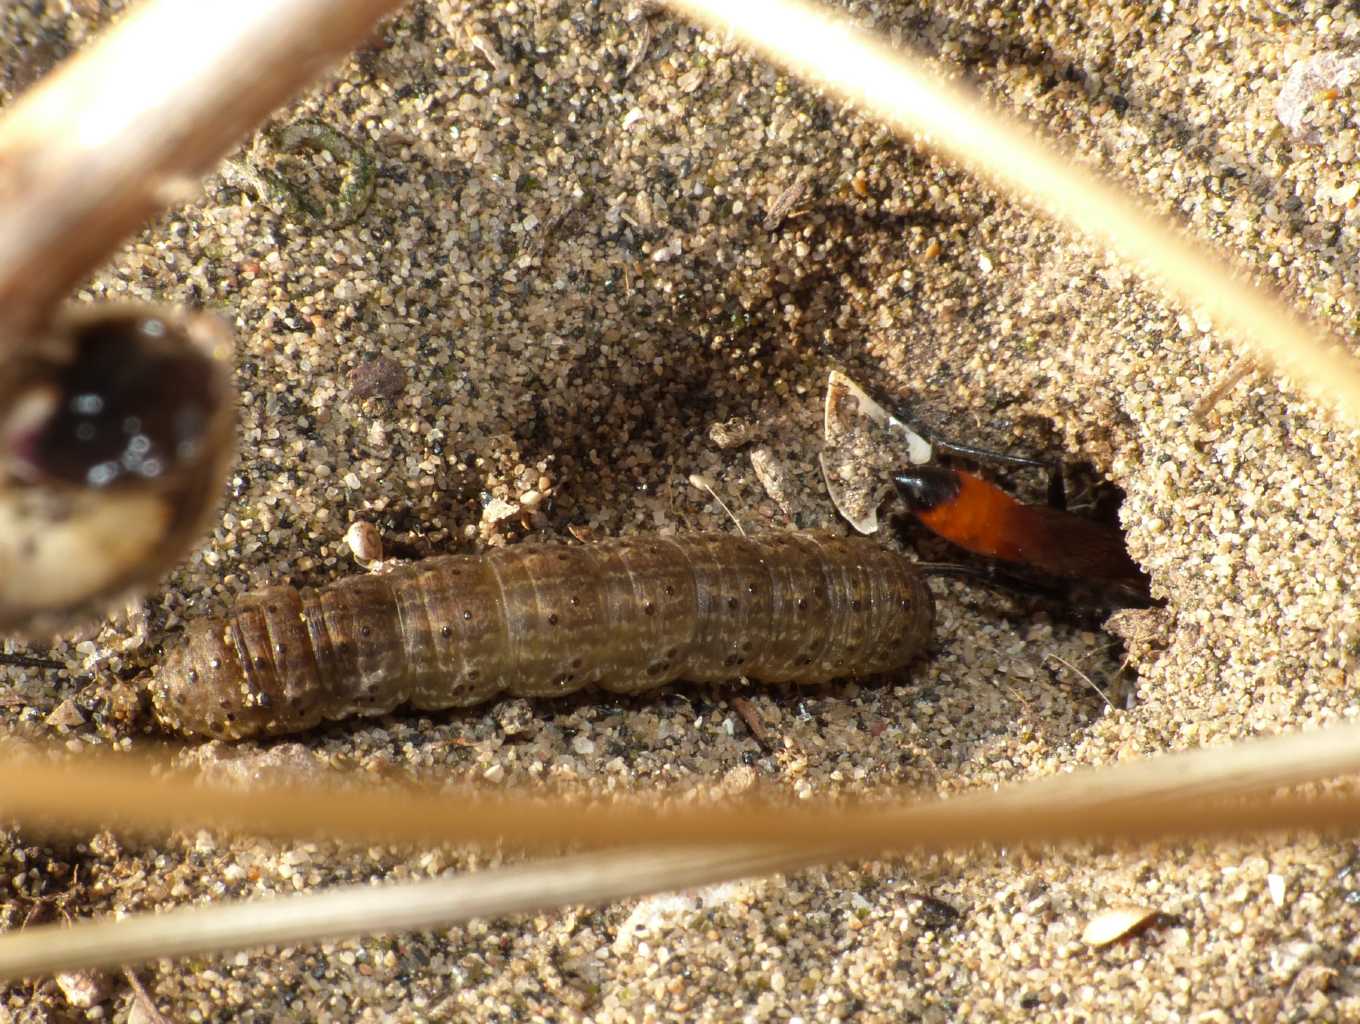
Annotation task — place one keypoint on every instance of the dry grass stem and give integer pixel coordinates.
(1196, 793)
(1193, 793)
(129, 126)
(855, 65)
(365, 909)
(1083, 677)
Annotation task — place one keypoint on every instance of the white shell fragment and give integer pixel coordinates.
(1275, 886)
(1116, 923)
(1329, 71)
(498, 509)
(864, 445)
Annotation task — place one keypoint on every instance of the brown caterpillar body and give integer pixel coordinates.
(538, 621)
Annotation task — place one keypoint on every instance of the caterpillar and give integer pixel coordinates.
(539, 621)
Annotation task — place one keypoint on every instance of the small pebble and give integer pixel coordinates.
(380, 377)
(365, 542)
(66, 715)
(84, 989)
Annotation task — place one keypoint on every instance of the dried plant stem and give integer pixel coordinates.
(1235, 374)
(1194, 793)
(1199, 793)
(129, 125)
(367, 909)
(858, 67)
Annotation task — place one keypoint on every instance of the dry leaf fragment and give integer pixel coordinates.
(771, 475)
(497, 509)
(731, 433)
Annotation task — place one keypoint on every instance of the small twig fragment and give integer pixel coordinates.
(1244, 366)
(143, 997)
(704, 484)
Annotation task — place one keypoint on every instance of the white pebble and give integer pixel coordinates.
(365, 542)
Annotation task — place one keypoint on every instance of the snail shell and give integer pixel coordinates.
(116, 433)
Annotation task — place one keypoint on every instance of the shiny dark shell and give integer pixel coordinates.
(542, 621)
(116, 433)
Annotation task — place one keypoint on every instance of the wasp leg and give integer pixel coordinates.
(29, 661)
(998, 578)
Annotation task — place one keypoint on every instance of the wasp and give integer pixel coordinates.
(1041, 548)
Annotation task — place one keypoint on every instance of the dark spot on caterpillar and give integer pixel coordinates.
(356, 652)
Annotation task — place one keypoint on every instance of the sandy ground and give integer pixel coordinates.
(570, 256)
